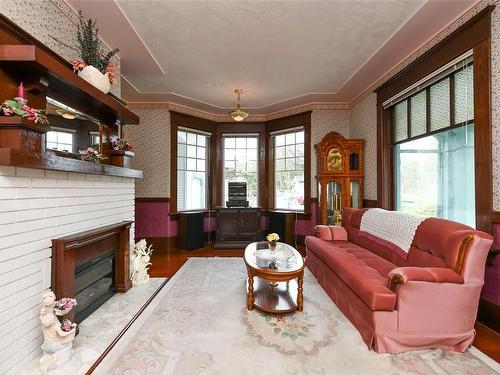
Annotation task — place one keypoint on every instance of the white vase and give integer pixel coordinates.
(93, 76)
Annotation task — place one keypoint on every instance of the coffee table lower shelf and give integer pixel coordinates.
(275, 297)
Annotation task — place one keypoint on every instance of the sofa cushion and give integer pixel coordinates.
(364, 272)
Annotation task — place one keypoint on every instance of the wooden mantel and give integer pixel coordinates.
(46, 74)
(62, 82)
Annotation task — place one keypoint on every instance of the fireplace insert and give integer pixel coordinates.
(94, 284)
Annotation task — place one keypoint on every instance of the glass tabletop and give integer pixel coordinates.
(283, 258)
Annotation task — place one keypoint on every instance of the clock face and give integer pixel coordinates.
(334, 160)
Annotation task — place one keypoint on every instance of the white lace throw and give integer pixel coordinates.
(397, 228)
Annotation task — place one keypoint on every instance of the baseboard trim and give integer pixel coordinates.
(489, 314)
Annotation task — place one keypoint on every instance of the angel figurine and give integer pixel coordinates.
(57, 337)
(141, 256)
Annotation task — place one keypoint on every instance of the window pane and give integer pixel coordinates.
(252, 154)
(241, 142)
(290, 151)
(200, 153)
(418, 114)
(289, 192)
(401, 121)
(440, 105)
(280, 165)
(290, 164)
(279, 152)
(299, 137)
(240, 165)
(464, 89)
(280, 140)
(299, 150)
(195, 191)
(200, 165)
(435, 175)
(181, 137)
(229, 154)
(191, 138)
(191, 151)
(252, 142)
(181, 163)
(191, 164)
(51, 136)
(181, 150)
(290, 138)
(201, 140)
(229, 165)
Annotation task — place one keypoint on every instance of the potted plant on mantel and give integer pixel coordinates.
(121, 153)
(94, 66)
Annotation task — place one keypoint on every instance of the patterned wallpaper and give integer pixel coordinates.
(495, 102)
(363, 124)
(54, 23)
(322, 123)
(151, 140)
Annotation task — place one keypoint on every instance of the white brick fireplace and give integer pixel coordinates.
(35, 207)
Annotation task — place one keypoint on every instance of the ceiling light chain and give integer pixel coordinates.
(238, 114)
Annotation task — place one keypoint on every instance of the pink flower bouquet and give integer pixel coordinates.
(67, 326)
(123, 145)
(65, 304)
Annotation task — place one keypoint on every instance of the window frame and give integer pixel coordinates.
(206, 160)
(185, 121)
(283, 124)
(474, 35)
(275, 159)
(223, 159)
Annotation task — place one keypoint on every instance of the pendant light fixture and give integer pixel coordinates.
(238, 114)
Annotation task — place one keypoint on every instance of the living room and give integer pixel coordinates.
(222, 187)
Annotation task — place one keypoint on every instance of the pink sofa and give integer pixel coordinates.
(428, 300)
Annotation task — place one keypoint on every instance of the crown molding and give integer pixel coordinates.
(168, 106)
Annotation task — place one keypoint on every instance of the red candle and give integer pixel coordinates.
(20, 91)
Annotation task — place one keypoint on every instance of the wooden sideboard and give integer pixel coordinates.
(236, 227)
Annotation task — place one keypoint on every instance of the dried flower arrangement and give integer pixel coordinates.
(91, 49)
(91, 154)
(122, 145)
(19, 107)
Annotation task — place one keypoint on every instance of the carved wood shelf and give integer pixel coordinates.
(49, 160)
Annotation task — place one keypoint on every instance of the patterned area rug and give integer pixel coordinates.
(201, 326)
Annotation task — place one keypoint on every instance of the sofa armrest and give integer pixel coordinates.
(330, 232)
(430, 274)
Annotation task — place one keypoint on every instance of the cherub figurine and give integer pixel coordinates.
(141, 256)
(58, 338)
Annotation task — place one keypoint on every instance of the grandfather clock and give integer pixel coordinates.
(339, 175)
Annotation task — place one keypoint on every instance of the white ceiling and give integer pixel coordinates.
(272, 50)
(281, 53)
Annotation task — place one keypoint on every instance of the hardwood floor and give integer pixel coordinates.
(167, 263)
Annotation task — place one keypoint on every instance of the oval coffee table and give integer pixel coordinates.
(274, 286)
